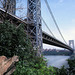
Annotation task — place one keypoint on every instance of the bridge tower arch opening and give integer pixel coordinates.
(71, 44)
(34, 24)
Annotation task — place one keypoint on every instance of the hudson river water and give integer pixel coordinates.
(57, 60)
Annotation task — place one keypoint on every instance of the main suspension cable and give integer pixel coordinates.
(54, 19)
(47, 27)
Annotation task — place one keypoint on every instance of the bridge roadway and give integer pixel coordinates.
(47, 39)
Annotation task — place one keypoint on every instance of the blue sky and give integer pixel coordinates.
(64, 13)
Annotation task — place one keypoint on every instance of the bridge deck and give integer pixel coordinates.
(53, 41)
(46, 37)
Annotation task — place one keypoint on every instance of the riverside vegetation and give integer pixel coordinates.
(13, 41)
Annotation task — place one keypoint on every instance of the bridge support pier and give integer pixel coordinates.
(34, 24)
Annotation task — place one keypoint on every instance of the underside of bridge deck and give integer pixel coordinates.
(47, 39)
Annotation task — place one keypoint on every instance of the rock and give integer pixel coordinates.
(6, 65)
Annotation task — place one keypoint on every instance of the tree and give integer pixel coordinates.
(13, 41)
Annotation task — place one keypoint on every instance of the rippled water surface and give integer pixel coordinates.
(57, 61)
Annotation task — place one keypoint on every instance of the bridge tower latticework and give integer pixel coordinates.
(34, 24)
(10, 6)
(71, 43)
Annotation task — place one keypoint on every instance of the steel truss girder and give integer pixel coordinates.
(47, 39)
(34, 23)
(10, 6)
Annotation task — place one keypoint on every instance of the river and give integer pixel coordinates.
(57, 60)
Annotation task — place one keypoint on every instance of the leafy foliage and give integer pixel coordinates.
(13, 41)
(71, 68)
(34, 68)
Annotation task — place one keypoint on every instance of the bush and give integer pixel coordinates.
(13, 41)
(34, 68)
(71, 68)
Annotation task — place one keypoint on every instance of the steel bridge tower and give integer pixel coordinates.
(10, 6)
(71, 43)
(34, 24)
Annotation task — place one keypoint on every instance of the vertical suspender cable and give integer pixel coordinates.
(47, 27)
(54, 20)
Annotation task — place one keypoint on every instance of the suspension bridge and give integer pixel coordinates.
(33, 25)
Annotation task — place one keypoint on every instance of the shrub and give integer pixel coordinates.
(13, 41)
